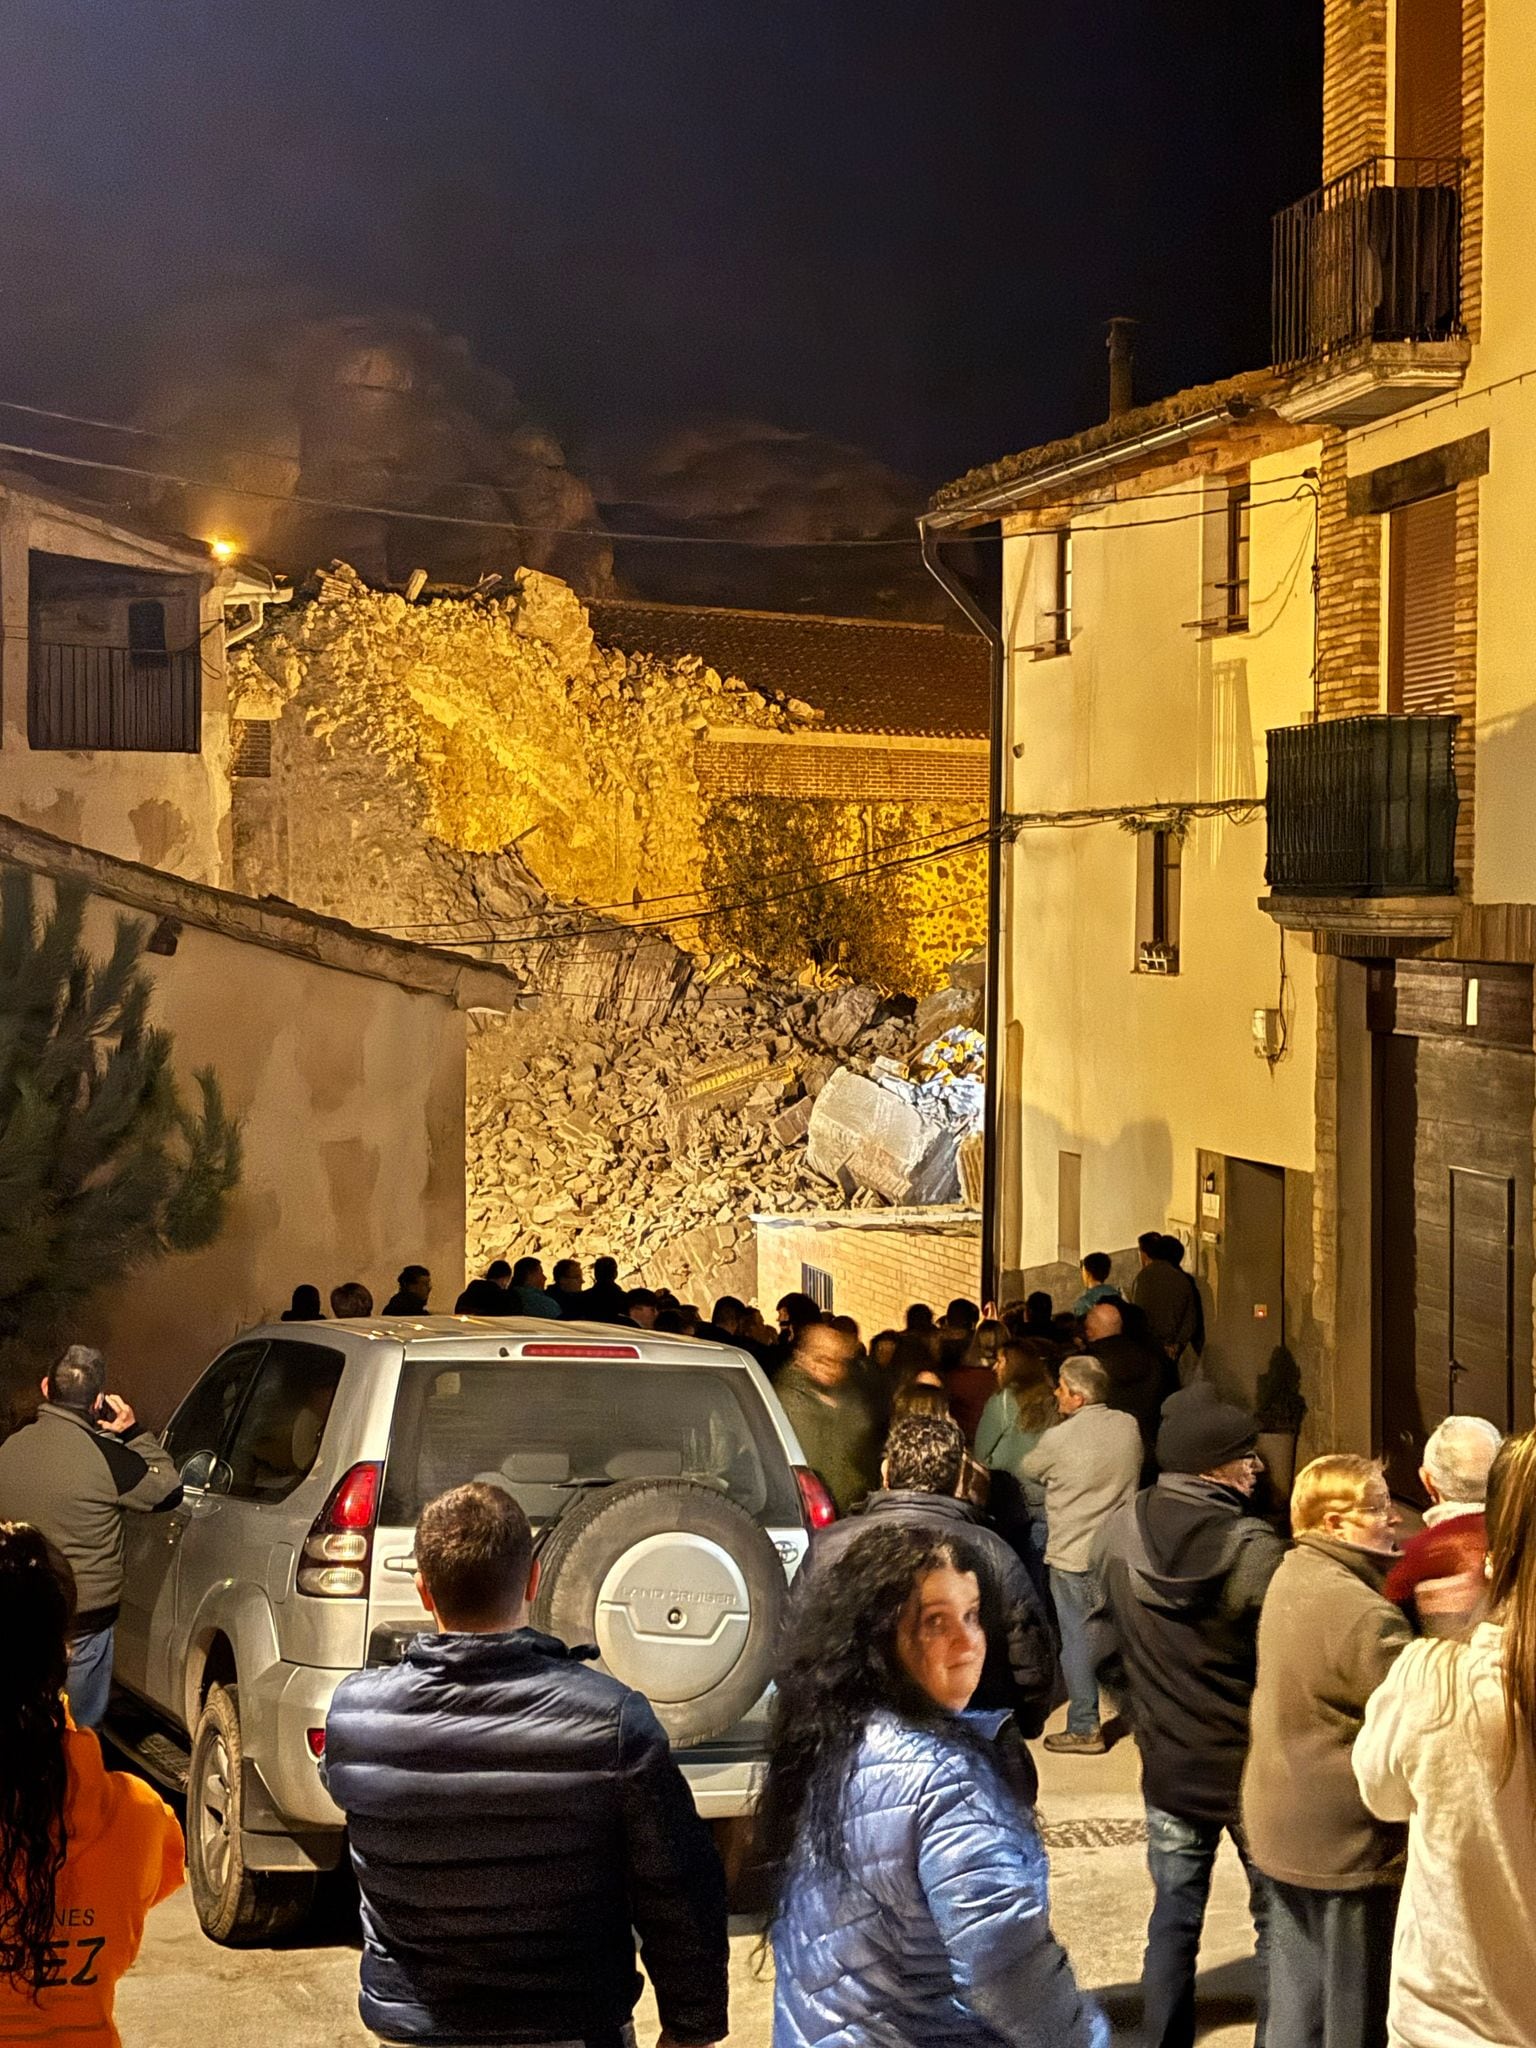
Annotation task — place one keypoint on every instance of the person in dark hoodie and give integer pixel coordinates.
(923, 1457)
(1184, 1570)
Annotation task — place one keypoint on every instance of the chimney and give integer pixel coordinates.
(1122, 364)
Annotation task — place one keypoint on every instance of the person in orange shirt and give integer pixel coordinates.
(84, 1852)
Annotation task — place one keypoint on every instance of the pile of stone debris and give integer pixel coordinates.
(655, 1138)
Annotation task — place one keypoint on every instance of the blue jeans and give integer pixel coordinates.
(1330, 1966)
(1076, 1595)
(90, 1678)
(1181, 1855)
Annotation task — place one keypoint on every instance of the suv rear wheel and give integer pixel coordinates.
(234, 1905)
(680, 1589)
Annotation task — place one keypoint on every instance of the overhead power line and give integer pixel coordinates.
(822, 868)
(698, 916)
(318, 502)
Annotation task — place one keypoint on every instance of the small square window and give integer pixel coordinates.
(818, 1285)
(1159, 863)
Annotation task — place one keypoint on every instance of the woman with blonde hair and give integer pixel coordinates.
(1328, 1636)
(1449, 1746)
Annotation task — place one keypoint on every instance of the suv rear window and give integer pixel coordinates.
(546, 1432)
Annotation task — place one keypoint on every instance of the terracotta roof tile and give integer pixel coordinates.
(864, 675)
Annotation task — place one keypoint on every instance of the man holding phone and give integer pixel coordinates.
(73, 1474)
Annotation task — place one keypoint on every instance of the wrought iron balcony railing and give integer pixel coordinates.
(1374, 255)
(114, 698)
(1363, 807)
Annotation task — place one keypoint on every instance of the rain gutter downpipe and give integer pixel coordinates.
(963, 520)
(997, 757)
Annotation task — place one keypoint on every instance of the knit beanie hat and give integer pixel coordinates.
(1199, 1435)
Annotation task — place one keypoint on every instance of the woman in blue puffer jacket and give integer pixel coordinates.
(908, 1881)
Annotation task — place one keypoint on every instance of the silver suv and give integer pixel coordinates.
(666, 1488)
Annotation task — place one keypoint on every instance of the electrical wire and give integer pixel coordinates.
(689, 895)
(1132, 816)
(514, 526)
(1109, 496)
(315, 502)
(682, 917)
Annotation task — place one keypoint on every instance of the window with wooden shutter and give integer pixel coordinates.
(1421, 606)
(1428, 80)
(1054, 632)
(1159, 861)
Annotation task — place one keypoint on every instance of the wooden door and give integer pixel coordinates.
(1246, 1324)
(1454, 1170)
(1481, 1334)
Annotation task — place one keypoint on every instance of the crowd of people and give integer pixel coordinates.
(1031, 1510)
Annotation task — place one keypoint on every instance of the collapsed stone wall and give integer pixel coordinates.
(475, 771)
(409, 735)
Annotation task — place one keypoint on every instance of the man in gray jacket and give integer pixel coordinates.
(1090, 1467)
(72, 1473)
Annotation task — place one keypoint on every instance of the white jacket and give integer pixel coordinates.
(1432, 1753)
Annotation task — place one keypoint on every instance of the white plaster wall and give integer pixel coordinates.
(352, 1095)
(168, 810)
(1505, 348)
(1132, 1071)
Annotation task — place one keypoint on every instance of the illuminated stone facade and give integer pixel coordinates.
(477, 771)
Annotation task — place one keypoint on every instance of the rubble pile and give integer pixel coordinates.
(655, 1138)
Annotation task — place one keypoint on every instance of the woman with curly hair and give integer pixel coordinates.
(907, 1880)
(84, 1853)
(1449, 1746)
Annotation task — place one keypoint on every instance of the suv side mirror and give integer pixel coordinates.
(207, 1472)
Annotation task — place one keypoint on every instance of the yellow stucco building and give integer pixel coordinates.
(1268, 896)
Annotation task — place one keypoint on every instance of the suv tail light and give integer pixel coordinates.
(817, 1505)
(333, 1564)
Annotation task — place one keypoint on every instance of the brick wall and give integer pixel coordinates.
(875, 1273)
(877, 773)
(1354, 83)
(1355, 100)
(1474, 36)
(1349, 620)
(1464, 701)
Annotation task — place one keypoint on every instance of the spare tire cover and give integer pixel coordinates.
(682, 1592)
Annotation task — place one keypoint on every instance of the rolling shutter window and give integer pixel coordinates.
(1421, 636)
(1428, 122)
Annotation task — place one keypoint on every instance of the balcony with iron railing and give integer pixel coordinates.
(1367, 282)
(1361, 816)
(115, 699)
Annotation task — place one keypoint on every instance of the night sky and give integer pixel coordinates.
(899, 223)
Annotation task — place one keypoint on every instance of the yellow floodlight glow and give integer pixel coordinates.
(223, 550)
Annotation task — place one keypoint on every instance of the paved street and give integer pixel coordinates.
(185, 1991)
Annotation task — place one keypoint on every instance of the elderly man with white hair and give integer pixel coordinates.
(1438, 1581)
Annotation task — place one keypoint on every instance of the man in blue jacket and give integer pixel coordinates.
(515, 1817)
